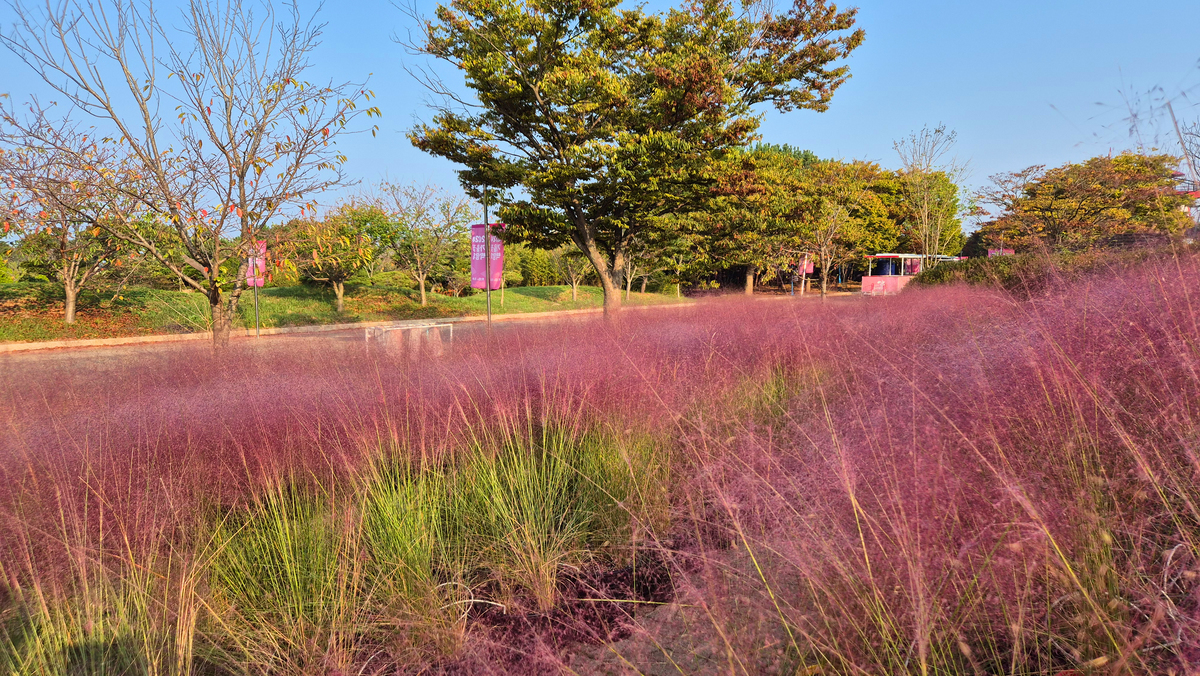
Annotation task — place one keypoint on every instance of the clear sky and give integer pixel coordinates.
(1019, 80)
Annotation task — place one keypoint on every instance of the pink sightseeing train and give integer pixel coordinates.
(887, 273)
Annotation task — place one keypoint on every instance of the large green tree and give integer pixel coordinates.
(594, 120)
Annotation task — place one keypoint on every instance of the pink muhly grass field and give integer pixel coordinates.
(948, 481)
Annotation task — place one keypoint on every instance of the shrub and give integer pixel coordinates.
(1037, 272)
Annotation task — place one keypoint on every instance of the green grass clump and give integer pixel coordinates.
(112, 612)
(286, 585)
(531, 507)
(512, 513)
(418, 581)
(303, 578)
(104, 633)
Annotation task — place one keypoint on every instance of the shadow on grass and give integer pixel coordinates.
(298, 291)
(553, 294)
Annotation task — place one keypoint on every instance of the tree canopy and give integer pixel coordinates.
(594, 120)
(430, 226)
(772, 205)
(332, 249)
(217, 127)
(1079, 204)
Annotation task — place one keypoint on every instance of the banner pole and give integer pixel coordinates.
(487, 257)
(256, 333)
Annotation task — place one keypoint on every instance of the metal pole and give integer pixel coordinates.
(256, 334)
(487, 260)
(253, 277)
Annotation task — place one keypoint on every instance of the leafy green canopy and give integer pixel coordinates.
(772, 206)
(594, 122)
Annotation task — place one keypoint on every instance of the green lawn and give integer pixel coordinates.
(33, 311)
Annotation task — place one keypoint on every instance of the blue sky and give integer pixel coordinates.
(1019, 81)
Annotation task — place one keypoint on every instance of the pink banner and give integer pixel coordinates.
(256, 269)
(478, 262)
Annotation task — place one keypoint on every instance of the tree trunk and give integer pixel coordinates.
(71, 295)
(628, 285)
(644, 284)
(421, 281)
(612, 293)
(574, 291)
(339, 291)
(678, 292)
(221, 321)
(749, 280)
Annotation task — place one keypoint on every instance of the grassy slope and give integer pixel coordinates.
(32, 312)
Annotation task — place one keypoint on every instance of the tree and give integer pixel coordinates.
(930, 179)
(1189, 139)
(430, 226)
(843, 213)
(513, 263)
(537, 268)
(643, 259)
(8, 264)
(750, 220)
(1079, 205)
(248, 137)
(774, 206)
(380, 228)
(58, 207)
(677, 263)
(594, 120)
(571, 265)
(335, 248)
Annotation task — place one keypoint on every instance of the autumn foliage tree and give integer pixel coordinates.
(55, 203)
(595, 119)
(1079, 205)
(332, 249)
(216, 114)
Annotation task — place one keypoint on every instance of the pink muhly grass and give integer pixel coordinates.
(948, 481)
(965, 482)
